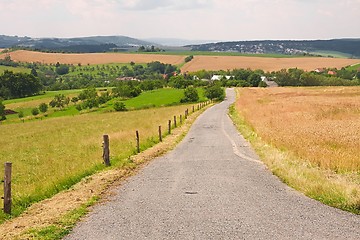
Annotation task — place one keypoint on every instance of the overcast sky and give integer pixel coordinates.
(185, 19)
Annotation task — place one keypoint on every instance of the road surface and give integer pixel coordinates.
(212, 186)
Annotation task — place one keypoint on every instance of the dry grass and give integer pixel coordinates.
(309, 137)
(319, 124)
(267, 64)
(92, 58)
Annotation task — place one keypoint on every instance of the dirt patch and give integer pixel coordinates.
(267, 64)
(92, 58)
(9, 112)
(48, 212)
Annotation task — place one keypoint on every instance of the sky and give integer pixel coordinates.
(225, 20)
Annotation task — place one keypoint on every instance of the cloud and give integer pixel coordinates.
(163, 4)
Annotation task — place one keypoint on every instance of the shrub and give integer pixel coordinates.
(119, 106)
(35, 111)
(21, 114)
(43, 107)
(190, 95)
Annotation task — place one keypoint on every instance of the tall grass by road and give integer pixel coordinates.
(309, 137)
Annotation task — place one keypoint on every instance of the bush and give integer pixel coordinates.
(35, 111)
(119, 106)
(189, 58)
(190, 95)
(21, 114)
(43, 107)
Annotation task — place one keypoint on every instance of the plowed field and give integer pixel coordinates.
(93, 58)
(264, 63)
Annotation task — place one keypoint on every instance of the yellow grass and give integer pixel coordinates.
(45, 153)
(92, 58)
(321, 125)
(309, 137)
(267, 64)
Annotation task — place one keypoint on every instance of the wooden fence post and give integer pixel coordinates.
(137, 141)
(106, 150)
(160, 134)
(169, 126)
(198, 107)
(180, 119)
(7, 188)
(193, 108)
(175, 121)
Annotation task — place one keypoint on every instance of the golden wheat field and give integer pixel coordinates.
(320, 125)
(265, 63)
(92, 58)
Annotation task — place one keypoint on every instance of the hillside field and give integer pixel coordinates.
(265, 63)
(14, 69)
(92, 58)
(317, 131)
(206, 61)
(54, 153)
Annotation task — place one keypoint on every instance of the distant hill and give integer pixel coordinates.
(176, 42)
(81, 44)
(344, 47)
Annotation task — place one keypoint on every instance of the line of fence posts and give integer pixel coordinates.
(106, 145)
(106, 157)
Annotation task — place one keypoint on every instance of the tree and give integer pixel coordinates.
(62, 69)
(18, 85)
(59, 101)
(254, 79)
(43, 107)
(87, 94)
(215, 92)
(34, 72)
(190, 95)
(2, 110)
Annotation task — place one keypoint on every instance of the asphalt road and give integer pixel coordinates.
(212, 186)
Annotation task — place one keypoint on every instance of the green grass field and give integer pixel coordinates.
(14, 69)
(53, 154)
(332, 53)
(354, 67)
(147, 99)
(160, 97)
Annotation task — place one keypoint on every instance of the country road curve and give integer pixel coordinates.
(212, 186)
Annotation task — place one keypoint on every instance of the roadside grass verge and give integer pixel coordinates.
(335, 185)
(62, 227)
(52, 155)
